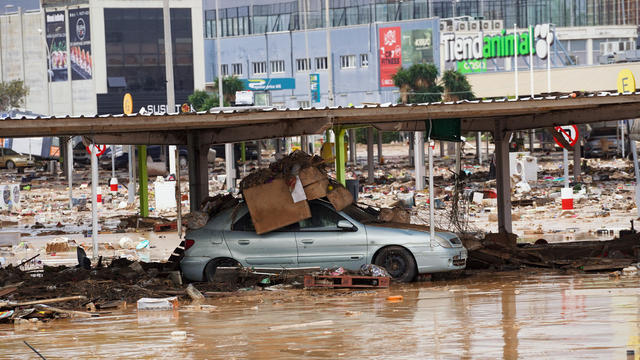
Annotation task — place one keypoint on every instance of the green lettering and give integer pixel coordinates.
(508, 45)
(495, 45)
(486, 47)
(523, 48)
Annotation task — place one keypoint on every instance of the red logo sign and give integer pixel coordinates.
(101, 149)
(390, 54)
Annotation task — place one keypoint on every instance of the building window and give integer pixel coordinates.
(137, 62)
(364, 60)
(303, 64)
(233, 21)
(225, 69)
(348, 62)
(277, 66)
(321, 63)
(259, 67)
(237, 69)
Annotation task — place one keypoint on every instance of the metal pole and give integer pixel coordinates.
(305, 9)
(622, 126)
(432, 234)
(515, 56)
(94, 199)
(70, 170)
(131, 189)
(329, 59)
(168, 60)
(479, 146)
(530, 29)
(69, 75)
(565, 165)
(178, 199)
(113, 161)
(370, 166)
(549, 65)
(228, 148)
(144, 179)
(418, 153)
(634, 152)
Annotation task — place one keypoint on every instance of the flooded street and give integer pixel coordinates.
(518, 316)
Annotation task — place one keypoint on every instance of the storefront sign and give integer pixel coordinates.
(390, 54)
(472, 66)
(57, 46)
(269, 84)
(626, 81)
(417, 47)
(80, 44)
(314, 83)
(460, 48)
(244, 98)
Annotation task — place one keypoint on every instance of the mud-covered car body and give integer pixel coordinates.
(348, 238)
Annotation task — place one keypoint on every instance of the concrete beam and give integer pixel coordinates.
(198, 171)
(503, 180)
(267, 131)
(143, 138)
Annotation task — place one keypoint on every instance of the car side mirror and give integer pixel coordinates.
(346, 225)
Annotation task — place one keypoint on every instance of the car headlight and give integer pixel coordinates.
(442, 242)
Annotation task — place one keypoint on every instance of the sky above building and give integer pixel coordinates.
(25, 4)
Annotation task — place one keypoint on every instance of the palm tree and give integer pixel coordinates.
(418, 84)
(402, 79)
(456, 86)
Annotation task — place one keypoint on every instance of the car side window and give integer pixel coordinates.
(246, 224)
(322, 219)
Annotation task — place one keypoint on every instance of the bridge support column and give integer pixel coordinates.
(503, 180)
(198, 171)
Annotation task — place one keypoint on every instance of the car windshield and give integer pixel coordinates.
(9, 152)
(359, 214)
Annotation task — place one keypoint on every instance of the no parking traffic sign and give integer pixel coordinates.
(570, 133)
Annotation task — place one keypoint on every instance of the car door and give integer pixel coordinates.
(274, 249)
(321, 243)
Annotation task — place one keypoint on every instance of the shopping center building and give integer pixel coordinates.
(80, 56)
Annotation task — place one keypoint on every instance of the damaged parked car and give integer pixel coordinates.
(349, 238)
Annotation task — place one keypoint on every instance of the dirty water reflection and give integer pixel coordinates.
(490, 316)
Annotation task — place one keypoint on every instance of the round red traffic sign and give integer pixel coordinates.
(570, 133)
(101, 149)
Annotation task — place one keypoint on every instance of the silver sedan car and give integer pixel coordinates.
(348, 238)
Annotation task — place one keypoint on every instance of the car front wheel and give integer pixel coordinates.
(10, 165)
(399, 263)
(210, 269)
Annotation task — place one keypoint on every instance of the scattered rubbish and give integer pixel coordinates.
(345, 281)
(302, 326)
(196, 296)
(178, 335)
(169, 303)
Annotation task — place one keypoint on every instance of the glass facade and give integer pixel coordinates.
(135, 50)
(283, 15)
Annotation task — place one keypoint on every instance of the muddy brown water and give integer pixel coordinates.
(490, 316)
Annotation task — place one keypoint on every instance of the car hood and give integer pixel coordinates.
(17, 158)
(412, 229)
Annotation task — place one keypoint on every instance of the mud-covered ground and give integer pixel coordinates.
(507, 315)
